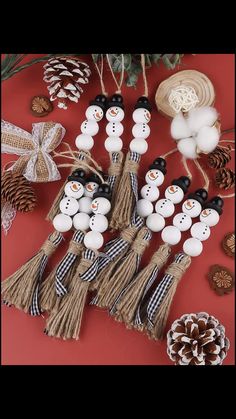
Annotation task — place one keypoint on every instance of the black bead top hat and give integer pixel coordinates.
(159, 164)
(94, 178)
(78, 175)
(215, 203)
(103, 191)
(199, 195)
(183, 182)
(143, 102)
(116, 100)
(100, 100)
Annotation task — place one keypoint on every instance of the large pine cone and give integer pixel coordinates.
(225, 178)
(16, 190)
(65, 75)
(219, 157)
(197, 339)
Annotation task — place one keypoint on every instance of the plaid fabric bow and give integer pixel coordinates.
(35, 162)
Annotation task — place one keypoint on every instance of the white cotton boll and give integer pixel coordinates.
(201, 117)
(207, 139)
(179, 127)
(187, 147)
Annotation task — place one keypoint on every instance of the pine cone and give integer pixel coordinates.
(16, 190)
(225, 178)
(197, 339)
(219, 157)
(65, 75)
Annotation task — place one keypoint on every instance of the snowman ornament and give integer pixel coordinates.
(200, 231)
(114, 129)
(150, 192)
(141, 130)
(98, 224)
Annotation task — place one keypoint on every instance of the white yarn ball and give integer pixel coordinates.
(171, 235)
(62, 223)
(155, 222)
(192, 247)
(114, 129)
(81, 221)
(89, 127)
(113, 144)
(99, 223)
(69, 206)
(138, 145)
(201, 117)
(85, 204)
(150, 192)
(207, 139)
(84, 142)
(187, 147)
(179, 127)
(141, 130)
(93, 240)
(144, 208)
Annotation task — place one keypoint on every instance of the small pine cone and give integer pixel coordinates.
(225, 178)
(16, 190)
(197, 339)
(219, 157)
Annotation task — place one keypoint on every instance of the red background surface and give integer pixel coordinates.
(104, 341)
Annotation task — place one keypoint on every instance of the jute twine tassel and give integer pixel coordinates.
(114, 172)
(159, 304)
(65, 320)
(127, 268)
(134, 294)
(22, 288)
(127, 194)
(54, 210)
(55, 285)
(115, 251)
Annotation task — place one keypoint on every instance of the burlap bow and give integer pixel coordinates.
(35, 162)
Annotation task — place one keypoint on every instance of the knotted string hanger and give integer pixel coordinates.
(118, 85)
(76, 154)
(100, 74)
(144, 75)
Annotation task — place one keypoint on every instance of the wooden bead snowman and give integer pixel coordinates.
(69, 205)
(141, 130)
(165, 207)
(150, 192)
(98, 224)
(90, 127)
(114, 129)
(200, 231)
(182, 221)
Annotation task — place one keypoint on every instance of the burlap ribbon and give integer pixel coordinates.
(35, 162)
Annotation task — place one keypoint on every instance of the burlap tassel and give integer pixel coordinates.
(126, 195)
(54, 210)
(64, 271)
(114, 174)
(126, 268)
(166, 290)
(127, 306)
(21, 288)
(65, 320)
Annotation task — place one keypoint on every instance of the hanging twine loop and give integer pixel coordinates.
(118, 84)
(100, 74)
(183, 98)
(144, 75)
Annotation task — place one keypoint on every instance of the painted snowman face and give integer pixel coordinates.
(174, 193)
(99, 223)
(154, 177)
(89, 127)
(115, 113)
(182, 221)
(191, 207)
(94, 113)
(149, 192)
(114, 129)
(74, 189)
(141, 130)
(69, 206)
(200, 231)
(165, 207)
(101, 206)
(90, 188)
(210, 217)
(141, 115)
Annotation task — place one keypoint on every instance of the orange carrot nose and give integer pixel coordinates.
(204, 212)
(172, 188)
(113, 112)
(94, 206)
(189, 204)
(152, 175)
(148, 114)
(89, 188)
(74, 187)
(98, 115)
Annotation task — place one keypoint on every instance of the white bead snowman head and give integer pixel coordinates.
(212, 210)
(142, 111)
(156, 172)
(101, 200)
(175, 192)
(97, 108)
(74, 188)
(192, 206)
(115, 112)
(91, 186)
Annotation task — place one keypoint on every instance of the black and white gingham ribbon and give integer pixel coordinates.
(90, 255)
(112, 178)
(138, 318)
(160, 292)
(66, 264)
(34, 309)
(133, 177)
